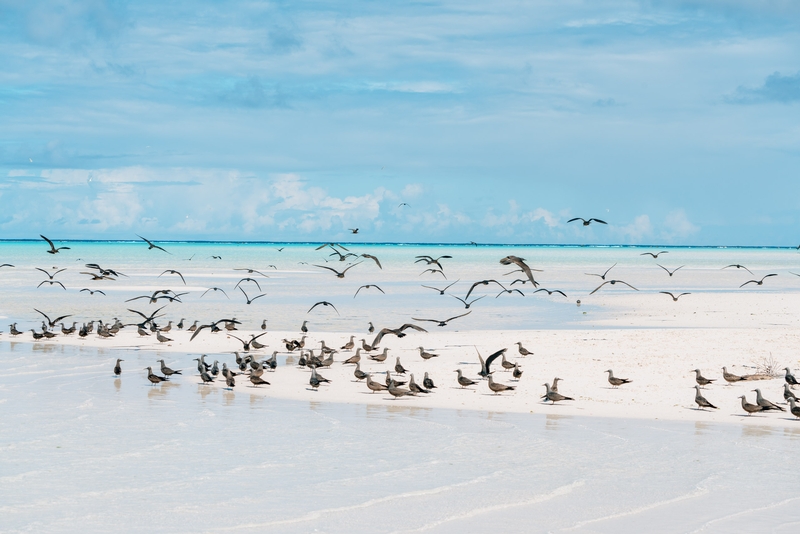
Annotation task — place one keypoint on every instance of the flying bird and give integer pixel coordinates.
(442, 322)
(674, 298)
(612, 282)
(248, 299)
(92, 292)
(468, 304)
(441, 291)
(602, 276)
(251, 271)
(549, 292)
(670, 273)
(509, 292)
(758, 282)
(739, 267)
(52, 323)
(324, 303)
(53, 249)
(173, 271)
(248, 280)
(585, 221)
(430, 260)
(485, 283)
(373, 258)
(214, 289)
(369, 286)
(434, 271)
(655, 255)
(520, 262)
(150, 243)
(338, 274)
(353, 230)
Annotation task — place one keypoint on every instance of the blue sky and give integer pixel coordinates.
(677, 122)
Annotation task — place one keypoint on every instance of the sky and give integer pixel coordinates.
(495, 122)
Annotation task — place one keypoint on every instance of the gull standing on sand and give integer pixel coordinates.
(788, 393)
(428, 382)
(700, 379)
(374, 386)
(522, 350)
(554, 396)
(463, 381)
(614, 381)
(701, 401)
(730, 378)
(764, 403)
(794, 408)
(789, 377)
(497, 387)
(749, 408)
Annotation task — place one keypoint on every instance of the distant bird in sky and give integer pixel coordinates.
(434, 271)
(470, 303)
(150, 243)
(406, 204)
(53, 249)
(485, 283)
(586, 222)
(758, 282)
(655, 255)
(674, 298)
(248, 299)
(251, 271)
(353, 230)
(214, 289)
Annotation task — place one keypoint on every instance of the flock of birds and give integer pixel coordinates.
(254, 368)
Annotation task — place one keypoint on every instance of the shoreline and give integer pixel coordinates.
(658, 361)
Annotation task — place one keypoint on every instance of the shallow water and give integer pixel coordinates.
(83, 451)
(295, 283)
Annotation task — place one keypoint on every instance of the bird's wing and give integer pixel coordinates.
(48, 241)
(559, 291)
(676, 270)
(605, 273)
(663, 267)
(492, 357)
(144, 239)
(235, 337)
(575, 219)
(627, 284)
(463, 301)
(598, 287)
(647, 254)
(199, 329)
(258, 297)
(245, 294)
(137, 298)
(329, 268)
(373, 258)
(415, 327)
(350, 267)
(45, 272)
(98, 291)
(45, 315)
(359, 289)
(473, 287)
(598, 220)
(456, 317)
(767, 276)
(682, 294)
(253, 338)
(130, 310)
(667, 293)
(749, 282)
(427, 320)
(476, 300)
(314, 306)
(379, 289)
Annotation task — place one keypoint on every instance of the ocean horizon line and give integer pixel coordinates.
(401, 244)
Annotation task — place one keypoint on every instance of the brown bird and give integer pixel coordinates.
(614, 381)
(700, 379)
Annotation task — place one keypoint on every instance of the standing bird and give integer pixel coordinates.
(463, 381)
(789, 377)
(428, 382)
(764, 403)
(53, 249)
(788, 393)
(154, 378)
(614, 381)
(425, 355)
(517, 373)
(398, 367)
(749, 408)
(166, 371)
(553, 396)
(701, 401)
(700, 379)
(730, 378)
(794, 408)
(374, 386)
(316, 379)
(117, 368)
(585, 221)
(497, 387)
(522, 350)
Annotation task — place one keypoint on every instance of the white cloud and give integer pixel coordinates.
(678, 226)
(638, 230)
